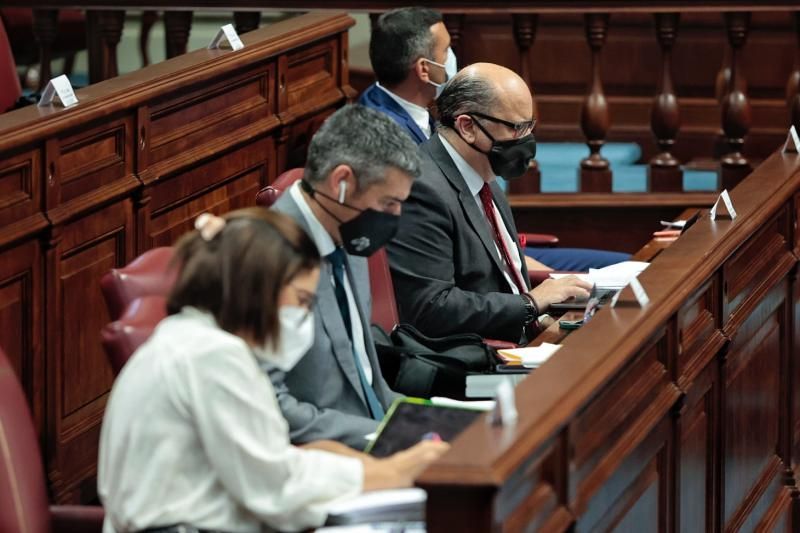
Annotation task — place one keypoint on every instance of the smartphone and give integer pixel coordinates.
(570, 324)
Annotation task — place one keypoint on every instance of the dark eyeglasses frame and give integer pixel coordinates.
(520, 128)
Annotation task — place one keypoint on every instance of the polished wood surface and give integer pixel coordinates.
(679, 416)
(87, 188)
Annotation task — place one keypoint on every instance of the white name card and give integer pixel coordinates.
(226, 33)
(638, 292)
(505, 408)
(725, 210)
(60, 89)
(792, 144)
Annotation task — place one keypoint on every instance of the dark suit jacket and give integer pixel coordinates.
(448, 277)
(376, 98)
(321, 397)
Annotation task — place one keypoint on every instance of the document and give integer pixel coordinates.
(530, 357)
(611, 277)
(379, 506)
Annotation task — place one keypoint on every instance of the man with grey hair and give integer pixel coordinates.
(359, 171)
(456, 264)
(411, 56)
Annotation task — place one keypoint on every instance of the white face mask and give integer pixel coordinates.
(296, 338)
(450, 67)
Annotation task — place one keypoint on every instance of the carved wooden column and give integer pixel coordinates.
(246, 21)
(735, 106)
(149, 18)
(454, 23)
(45, 28)
(524, 36)
(793, 85)
(665, 174)
(595, 118)
(177, 27)
(105, 30)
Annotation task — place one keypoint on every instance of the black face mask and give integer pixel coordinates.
(367, 233)
(509, 159)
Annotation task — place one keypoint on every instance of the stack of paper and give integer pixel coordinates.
(611, 277)
(531, 357)
(404, 505)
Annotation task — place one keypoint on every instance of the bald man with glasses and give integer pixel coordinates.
(456, 262)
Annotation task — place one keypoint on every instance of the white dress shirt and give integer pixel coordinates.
(419, 114)
(193, 434)
(475, 184)
(326, 246)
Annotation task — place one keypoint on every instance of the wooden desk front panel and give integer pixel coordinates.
(620, 443)
(20, 190)
(309, 79)
(78, 373)
(222, 184)
(210, 119)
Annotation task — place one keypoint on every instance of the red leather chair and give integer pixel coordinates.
(148, 274)
(269, 194)
(9, 80)
(23, 494)
(122, 337)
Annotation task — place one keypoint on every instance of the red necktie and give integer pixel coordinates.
(488, 208)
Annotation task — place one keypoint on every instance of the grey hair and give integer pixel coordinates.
(464, 94)
(365, 140)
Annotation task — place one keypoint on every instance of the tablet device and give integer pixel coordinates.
(410, 419)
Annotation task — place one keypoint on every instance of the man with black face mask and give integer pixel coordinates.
(456, 262)
(360, 169)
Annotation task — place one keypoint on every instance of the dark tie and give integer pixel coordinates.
(432, 124)
(337, 260)
(488, 208)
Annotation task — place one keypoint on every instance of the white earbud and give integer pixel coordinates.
(342, 191)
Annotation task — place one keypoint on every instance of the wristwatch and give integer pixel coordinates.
(531, 309)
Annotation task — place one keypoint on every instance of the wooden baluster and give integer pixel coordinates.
(246, 21)
(665, 174)
(793, 86)
(735, 106)
(177, 27)
(149, 18)
(105, 30)
(595, 118)
(454, 23)
(524, 36)
(45, 29)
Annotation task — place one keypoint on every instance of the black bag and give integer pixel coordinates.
(416, 365)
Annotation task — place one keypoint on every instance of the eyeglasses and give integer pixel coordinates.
(520, 128)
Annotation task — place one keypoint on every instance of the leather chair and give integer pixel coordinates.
(148, 274)
(270, 194)
(9, 80)
(122, 337)
(23, 494)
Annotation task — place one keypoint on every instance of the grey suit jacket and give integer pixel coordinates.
(321, 397)
(448, 277)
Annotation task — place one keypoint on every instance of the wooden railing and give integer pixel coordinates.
(540, 39)
(683, 415)
(87, 188)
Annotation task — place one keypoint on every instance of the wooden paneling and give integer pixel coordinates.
(20, 320)
(84, 189)
(220, 185)
(78, 373)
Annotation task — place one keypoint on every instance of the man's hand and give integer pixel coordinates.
(552, 291)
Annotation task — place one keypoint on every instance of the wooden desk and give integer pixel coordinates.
(86, 189)
(682, 416)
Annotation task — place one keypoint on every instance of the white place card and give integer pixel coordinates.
(638, 292)
(792, 144)
(505, 409)
(60, 89)
(226, 33)
(725, 210)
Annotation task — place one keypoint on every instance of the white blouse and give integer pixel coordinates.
(193, 434)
